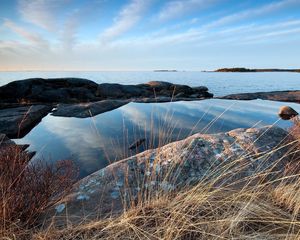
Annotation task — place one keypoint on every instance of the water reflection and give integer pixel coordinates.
(94, 142)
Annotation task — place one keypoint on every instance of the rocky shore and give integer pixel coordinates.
(235, 156)
(282, 96)
(24, 103)
(256, 70)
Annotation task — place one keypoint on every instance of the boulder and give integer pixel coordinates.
(117, 91)
(73, 90)
(159, 85)
(287, 113)
(227, 157)
(48, 90)
(16, 122)
(200, 89)
(84, 110)
(169, 89)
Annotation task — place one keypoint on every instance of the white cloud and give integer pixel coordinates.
(42, 13)
(69, 31)
(177, 8)
(34, 38)
(253, 13)
(127, 18)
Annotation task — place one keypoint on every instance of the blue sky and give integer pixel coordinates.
(148, 34)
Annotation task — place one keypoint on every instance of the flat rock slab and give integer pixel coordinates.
(76, 90)
(282, 96)
(84, 110)
(234, 155)
(16, 122)
(8, 146)
(4, 140)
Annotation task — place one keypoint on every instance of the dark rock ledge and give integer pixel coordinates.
(282, 96)
(235, 155)
(18, 121)
(5, 143)
(72, 90)
(24, 103)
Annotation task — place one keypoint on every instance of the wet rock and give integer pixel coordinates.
(4, 140)
(16, 122)
(158, 99)
(283, 96)
(228, 157)
(84, 110)
(287, 113)
(8, 146)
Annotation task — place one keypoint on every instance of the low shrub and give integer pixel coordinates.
(26, 188)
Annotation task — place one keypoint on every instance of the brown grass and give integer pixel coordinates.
(261, 211)
(27, 189)
(264, 210)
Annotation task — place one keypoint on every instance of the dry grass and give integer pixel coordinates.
(262, 211)
(198, 213)
(27, 189)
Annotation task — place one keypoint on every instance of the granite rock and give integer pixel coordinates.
(227, 157)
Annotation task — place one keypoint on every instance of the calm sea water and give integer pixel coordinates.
(218, 83)
(95, 142)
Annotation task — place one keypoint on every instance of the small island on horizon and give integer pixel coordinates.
(165, 70)
(255, 70)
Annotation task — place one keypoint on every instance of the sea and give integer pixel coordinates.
(93, 143)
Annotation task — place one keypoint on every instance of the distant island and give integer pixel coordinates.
(165, 70)
(256, 70)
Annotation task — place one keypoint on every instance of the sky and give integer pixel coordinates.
(115, 35)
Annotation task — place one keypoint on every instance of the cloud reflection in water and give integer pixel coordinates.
(94, 142)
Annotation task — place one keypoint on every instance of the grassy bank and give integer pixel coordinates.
(254, 210)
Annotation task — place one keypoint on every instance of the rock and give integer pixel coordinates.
(287, 113)
(154, 100)
(84, 110)
(180, 95)
(36, 90)
(16, 122)
(200, 89)
(117, 91)
(4, 140)
(9, 146)
(283, 96)
(227, 157)
(73, 90)
(169, 89)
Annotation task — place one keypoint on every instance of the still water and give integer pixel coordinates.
(94, 142)
(218, 83)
